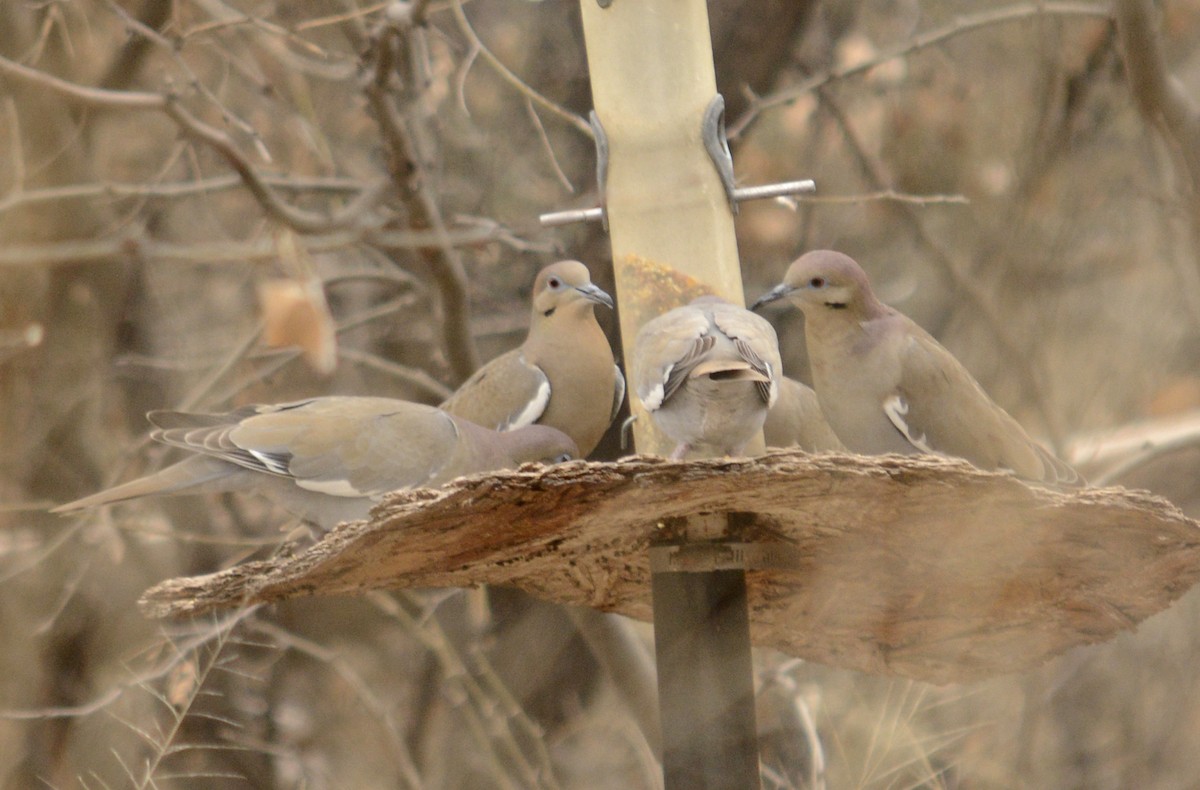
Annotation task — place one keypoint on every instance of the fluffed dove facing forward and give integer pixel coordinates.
(563, 375)
(707, 373)
(886, 386)
(329, 459)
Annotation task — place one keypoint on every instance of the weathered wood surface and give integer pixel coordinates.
(914, 566)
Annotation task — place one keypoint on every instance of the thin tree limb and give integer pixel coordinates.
(118, 248)
(93, 97)
(1160, 96)
(410, 173)
(354, 213)
(962, 24)
(512, 79)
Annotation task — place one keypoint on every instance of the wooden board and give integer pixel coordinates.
(921, 567)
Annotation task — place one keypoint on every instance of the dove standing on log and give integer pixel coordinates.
(886, 386)
(706, 374)
(329, 459)
(563, 375)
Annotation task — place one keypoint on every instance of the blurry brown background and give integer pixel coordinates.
(999, 179)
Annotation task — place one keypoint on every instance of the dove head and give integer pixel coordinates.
(566, 287)
(540, 443)
(825, 280)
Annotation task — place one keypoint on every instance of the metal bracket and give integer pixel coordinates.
(717, 541)
(712, 133)
(782, 189)
(718, 556)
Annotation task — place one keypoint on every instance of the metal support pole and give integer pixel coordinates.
(668, 209)
(702, 646)
(705, 680)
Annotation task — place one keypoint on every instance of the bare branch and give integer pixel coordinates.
(354, 213)
(545, 140)
(118, 189)
(338, 19)
(381, 709)
(409, 171)
(123, 68)
(512, 79)
(1160, 97)
(94, 97)
(428, 387)
(960, 25)
(118, 248)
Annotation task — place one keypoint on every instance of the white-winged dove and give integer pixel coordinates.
(886, 386)
(707, 372)
(563, 375)
(796, 420)
(329, 459)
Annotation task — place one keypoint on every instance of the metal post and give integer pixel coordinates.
(668, 209)
(705, 680)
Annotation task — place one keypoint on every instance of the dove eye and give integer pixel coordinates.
(554, 283)
(817, 282)
(563, 458)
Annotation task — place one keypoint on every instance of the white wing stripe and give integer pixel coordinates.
(896, 408)
(270, 462)
(330, 487)
(532, 410)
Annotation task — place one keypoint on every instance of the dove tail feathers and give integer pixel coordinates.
(200, 474)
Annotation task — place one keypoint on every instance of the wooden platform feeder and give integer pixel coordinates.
(918, 567)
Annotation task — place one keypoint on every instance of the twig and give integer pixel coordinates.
(959, 26)
(163, 745)
(380, 709)
(1118, 472)
(545, 140)
(1160, 97)
(318, 62)
(512, 79)
(198, 392)
(613, 642)
(107, 250)
(338, 19)
(123, 69)
(112, 695)
(428, 388)
(94, 97)
(478, 715)
(232, 17)
(540, 774)
(122, 189)
(354, 213)
(409, 171)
